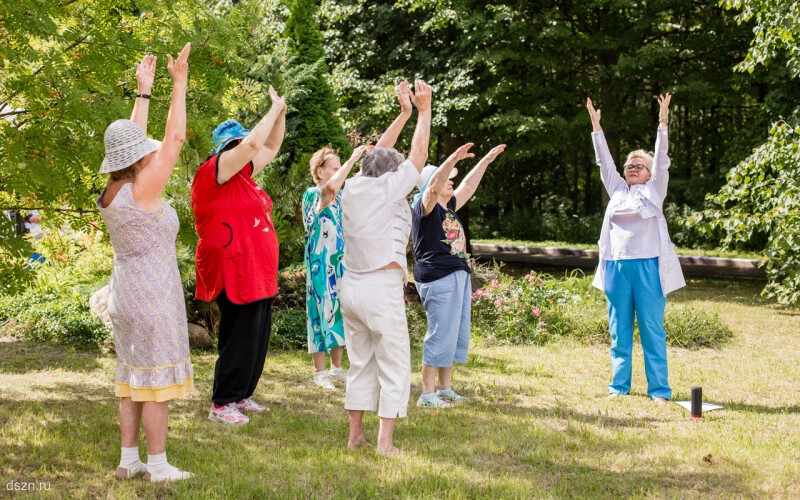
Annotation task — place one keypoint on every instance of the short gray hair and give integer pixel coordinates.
(381, 160)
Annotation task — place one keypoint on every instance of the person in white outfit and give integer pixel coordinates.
(376, 224)
(638, 265)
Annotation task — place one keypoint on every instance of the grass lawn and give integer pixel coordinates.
(734, 254)
(538, 424)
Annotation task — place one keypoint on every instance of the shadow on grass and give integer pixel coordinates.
(474, 451)
(17, 356)
(769, 410)
(743, 292)
(484, 448)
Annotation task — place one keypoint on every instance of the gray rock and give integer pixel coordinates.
(98, 305)
(199, 337)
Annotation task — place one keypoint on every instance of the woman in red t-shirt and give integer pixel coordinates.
(237, 255)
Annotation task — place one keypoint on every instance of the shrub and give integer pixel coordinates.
(509, 309)
(538, 308)
(291, 287)
(690, 327)
(54, 318)
(555, 223)
(289, 329)
(417, 323)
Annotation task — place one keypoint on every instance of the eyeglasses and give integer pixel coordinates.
(638, 167)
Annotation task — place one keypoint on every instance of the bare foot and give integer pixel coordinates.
(389, 452)
(660, 401)
(359, 444)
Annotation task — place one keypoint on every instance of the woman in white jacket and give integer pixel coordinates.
(638, 265)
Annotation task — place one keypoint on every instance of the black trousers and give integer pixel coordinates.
(243, 339)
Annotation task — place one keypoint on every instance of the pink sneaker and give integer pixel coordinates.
(227, 414)
(249, 405)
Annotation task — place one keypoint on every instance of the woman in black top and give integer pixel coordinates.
(442, 271)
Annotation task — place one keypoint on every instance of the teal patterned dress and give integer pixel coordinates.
(323, 257)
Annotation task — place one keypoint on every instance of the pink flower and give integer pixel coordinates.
(452, 234)
(536, 311)
(498, 303)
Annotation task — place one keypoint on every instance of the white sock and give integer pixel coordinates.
(161, 470)
(130, 460)
(428, 396)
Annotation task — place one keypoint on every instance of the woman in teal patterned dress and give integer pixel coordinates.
(322, 218)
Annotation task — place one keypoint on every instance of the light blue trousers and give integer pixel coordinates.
(448, 304)
(633, 286)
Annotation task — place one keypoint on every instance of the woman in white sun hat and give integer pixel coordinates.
(442, 271)
(145, 302)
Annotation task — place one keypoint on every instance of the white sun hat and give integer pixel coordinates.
(425, 177)
(428, 171)
(125, 145)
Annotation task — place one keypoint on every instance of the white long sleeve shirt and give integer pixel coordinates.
(633, 227)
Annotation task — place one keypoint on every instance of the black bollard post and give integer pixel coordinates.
(697, 402)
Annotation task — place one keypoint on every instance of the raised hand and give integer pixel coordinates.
(594, 114)
(494, 153)
(179, 68)
(278, 102)
(360, 150)
(461, 153)
(404, 96)
(663, 114)
(422, 96)
(146, 73)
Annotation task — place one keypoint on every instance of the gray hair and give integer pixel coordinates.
(381, 160)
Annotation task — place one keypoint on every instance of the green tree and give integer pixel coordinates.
(519, 73)
(311, 123)
(315, 122)
(67, 72)
(761, 198)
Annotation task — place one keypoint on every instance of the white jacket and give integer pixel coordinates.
(654, 190)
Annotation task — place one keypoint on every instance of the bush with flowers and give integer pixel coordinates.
(537, 308)
(526, 309)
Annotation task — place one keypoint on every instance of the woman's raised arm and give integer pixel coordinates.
(661, 161)
(272, 145)
(389, 138)
(145, 76)
(150, 181)
(230, 162)
(336, 181)
(471, 182)
(608, 170)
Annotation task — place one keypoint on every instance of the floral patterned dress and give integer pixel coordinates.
(324, 269)
(145, 301)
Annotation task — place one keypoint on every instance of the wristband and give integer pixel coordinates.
(663, 120)
(143, 96)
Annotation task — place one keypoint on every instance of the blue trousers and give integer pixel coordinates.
(448, 304)
(633, 286)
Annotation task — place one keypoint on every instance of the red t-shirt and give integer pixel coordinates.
(238, 247)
